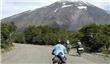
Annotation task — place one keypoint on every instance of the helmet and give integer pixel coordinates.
(67, 42)
(59, 42)
(78, 40)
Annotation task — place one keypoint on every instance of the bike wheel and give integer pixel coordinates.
(68, 50)
(79, 53)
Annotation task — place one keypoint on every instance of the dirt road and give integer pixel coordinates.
(35, 54)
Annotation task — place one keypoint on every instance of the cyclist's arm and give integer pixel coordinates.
(64, 49)
(53, 50)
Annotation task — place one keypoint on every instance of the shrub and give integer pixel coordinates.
(7, 30)
(95, 36)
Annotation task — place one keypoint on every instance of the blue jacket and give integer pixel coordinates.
(59, 48)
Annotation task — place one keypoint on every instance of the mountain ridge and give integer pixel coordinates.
(68, 15)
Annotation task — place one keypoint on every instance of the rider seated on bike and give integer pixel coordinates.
(58, 51)
(79, 45)
(68, 46)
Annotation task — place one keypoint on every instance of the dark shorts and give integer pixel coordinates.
(58, 58)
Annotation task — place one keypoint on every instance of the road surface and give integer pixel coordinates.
(36, 54)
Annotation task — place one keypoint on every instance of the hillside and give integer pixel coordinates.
(68, 15)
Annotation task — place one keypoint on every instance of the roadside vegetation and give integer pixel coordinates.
(95, 38)
(7, 30)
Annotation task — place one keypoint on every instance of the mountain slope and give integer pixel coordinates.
(68, 15)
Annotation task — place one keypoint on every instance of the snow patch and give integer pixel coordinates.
(82, 7)
(88, 4)
(55, 10)
(66, 6)
(80, 4)
(63, 3)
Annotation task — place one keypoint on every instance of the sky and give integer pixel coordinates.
(12, 7)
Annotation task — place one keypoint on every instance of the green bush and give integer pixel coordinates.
(7, 30)
(19, 37)
(95, 37)
(43, 35)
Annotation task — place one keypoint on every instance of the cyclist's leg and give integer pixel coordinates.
(55, 59)
(62, 59)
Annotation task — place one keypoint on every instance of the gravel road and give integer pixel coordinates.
(36, 54)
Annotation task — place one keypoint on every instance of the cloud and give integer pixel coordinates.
(11, 7)
(104, 4)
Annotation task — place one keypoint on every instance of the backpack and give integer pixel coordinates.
(69, 46)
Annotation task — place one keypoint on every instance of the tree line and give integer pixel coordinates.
(6, 34)
(94, 37)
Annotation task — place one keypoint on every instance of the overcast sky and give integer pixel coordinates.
(11, 7)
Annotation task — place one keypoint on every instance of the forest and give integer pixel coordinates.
(94, 37)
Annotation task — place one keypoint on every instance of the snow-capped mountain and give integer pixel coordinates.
(65, 14)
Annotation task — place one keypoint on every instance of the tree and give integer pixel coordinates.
(95, 37)
(7, 30)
